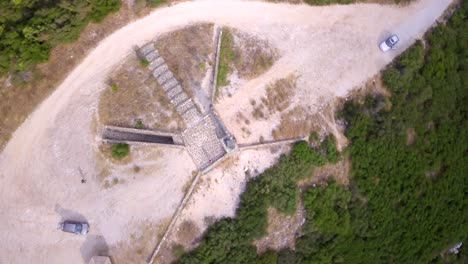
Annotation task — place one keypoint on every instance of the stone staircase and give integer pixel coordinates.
(200, 137)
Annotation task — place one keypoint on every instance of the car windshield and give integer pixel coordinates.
(390, 42)
(78, 228)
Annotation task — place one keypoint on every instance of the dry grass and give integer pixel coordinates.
(188, 53)
(140, 245)
(281, 230)
(228, 162)
(297, 122)
(278, 98)
(133, 95)
(252, 55)
(187, 233)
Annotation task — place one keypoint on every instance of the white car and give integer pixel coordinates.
(389, 43)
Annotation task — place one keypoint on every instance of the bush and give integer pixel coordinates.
(120, 150)
(114, 88)
(139, 124)
(144, 63)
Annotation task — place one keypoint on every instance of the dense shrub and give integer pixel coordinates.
(120, 150)
(30, 28)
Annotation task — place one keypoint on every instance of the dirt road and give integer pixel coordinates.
(332, 49)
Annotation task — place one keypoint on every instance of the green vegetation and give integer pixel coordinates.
(144, 63)
(226, 58)
(230, 240)
(114, 88)
(406, 203)
(120, 150)
(29, 29)
(155, 3)
(139, 124)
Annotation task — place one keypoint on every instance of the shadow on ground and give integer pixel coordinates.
(66, 214)
(94, 245)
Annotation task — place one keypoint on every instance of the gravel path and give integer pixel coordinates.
(332, 49)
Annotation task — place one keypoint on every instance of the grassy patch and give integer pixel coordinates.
(226, 58)
(120, 150)
(278, 98)
(144, 63)
(114, 88)
(139, 124)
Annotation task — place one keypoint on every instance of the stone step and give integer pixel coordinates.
(174, 91)
(152, 55)
(147, 48)
(179, 99)
(170, 84)
(156, 63)
(160, 70)
(163, 78)
(191, 117)
(182, 108)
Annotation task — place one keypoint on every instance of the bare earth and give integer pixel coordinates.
(331, 49)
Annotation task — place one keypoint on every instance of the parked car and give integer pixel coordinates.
(80, 228)
(389, 43)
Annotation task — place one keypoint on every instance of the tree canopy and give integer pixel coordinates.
(30, 28)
